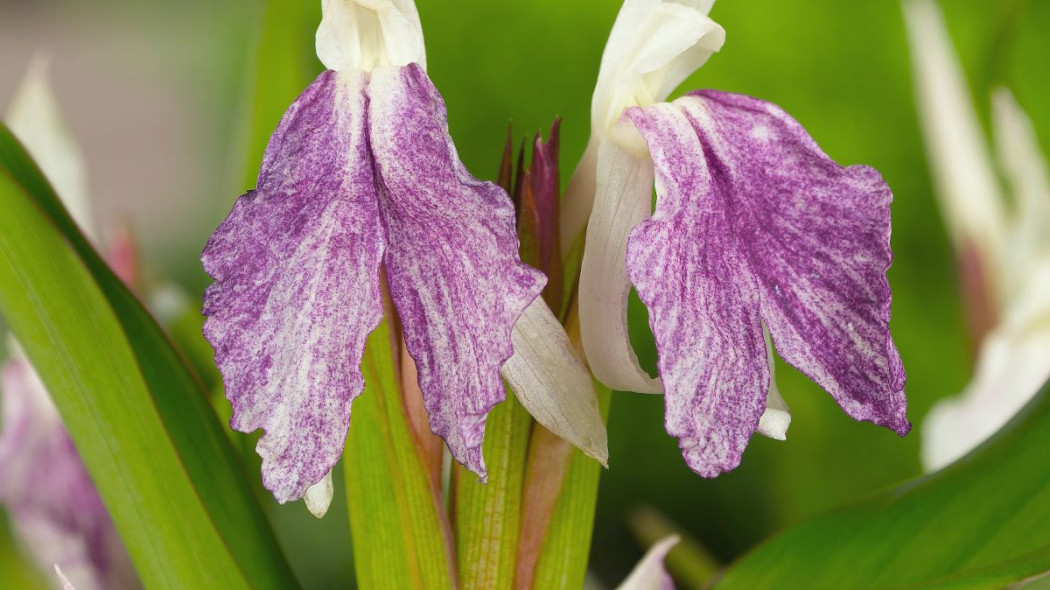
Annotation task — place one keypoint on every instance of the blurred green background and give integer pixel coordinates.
(158, 95)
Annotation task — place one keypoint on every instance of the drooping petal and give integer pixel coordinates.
(451, 259)
(653, 46)
(53, 506)
(296, 292)
(366, 34)
(36, 120)
(703, 304)
(650, 573)
(969, 195)
(756, 225)
(625, 182)
(552, 384)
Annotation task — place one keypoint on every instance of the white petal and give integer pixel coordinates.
(650, 573)
(552, 383)
(318, 497)
(36, 120)
(776, 419)
(654, 45)
(1009, 372)
(962, 170)
(365, 34)
(1025, 167)
(624, 188)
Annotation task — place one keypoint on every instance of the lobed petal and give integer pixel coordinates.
(625, 182)
(756, 225)
(296, 292)
(703, 304)
(452, 260)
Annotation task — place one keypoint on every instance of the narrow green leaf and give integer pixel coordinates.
(488, 515)
(401, 537)
(563, 560)
(980, 523)
(157, 389)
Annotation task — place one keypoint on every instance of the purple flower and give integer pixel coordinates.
(361, 182)
(54, 508)
(755, 230)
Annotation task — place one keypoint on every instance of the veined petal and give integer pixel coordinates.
(296, 292)
(552, 383)
(650, 573)
(969, 194)
(36, 120)
(703, 306)
(452, 259)
(54, 508)
(625, 183)
(755, 224)
(365, 34)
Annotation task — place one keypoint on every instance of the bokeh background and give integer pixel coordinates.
(160, 96)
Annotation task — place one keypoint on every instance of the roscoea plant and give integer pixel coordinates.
(756, 232)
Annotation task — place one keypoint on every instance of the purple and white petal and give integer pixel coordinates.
(650, 573)
(452, 259)
(296, 292)
(54, 509)
(756, 225)
(625, 183)
(552, 384)
(691, 272)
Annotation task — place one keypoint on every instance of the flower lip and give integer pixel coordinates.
(366, 34)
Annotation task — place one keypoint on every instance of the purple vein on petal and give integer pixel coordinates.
(803, 247)
(452, 262)
(296, 292)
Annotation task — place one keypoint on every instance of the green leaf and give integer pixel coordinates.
(488, 516)
(563, 561)
(401, 536)
(980, 523)
(138, 416)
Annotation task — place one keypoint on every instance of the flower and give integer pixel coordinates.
(361, 197)
(754, 229)
(55, 510)
(650, 573)
(1004, 253)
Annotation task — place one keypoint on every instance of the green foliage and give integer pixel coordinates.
(138, 416)
(980, 523)
(401, 536)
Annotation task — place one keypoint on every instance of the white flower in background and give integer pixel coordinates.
(1003, 244)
